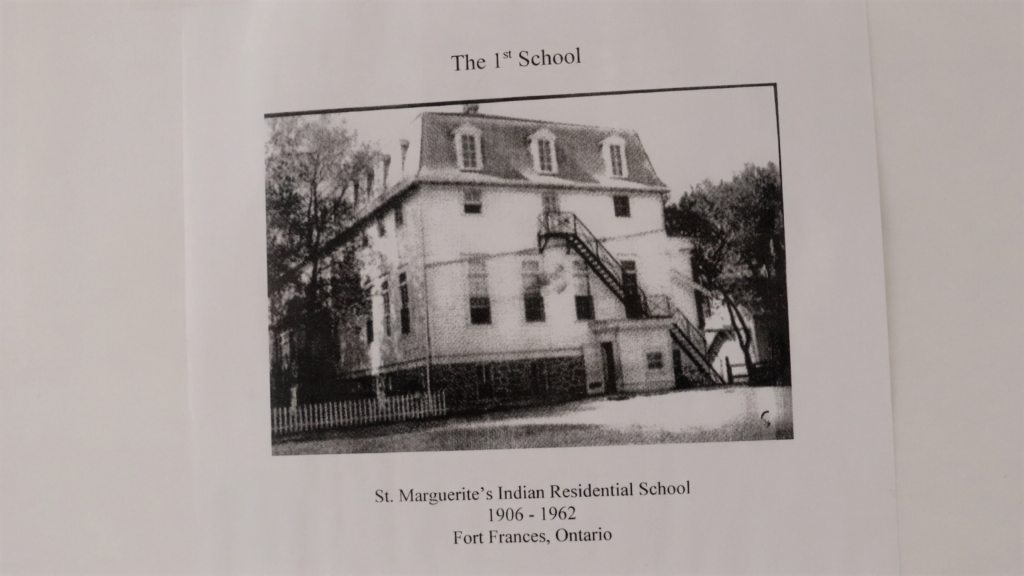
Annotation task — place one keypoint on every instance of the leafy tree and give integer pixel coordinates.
(739, 258)
(312, 284)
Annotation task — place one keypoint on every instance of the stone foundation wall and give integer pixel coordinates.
(475, 386)
(482, 385)
(397, 383)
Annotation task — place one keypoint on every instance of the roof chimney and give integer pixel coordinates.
(405, 148)
(470, 108)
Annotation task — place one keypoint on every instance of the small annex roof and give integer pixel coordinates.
(507, 158)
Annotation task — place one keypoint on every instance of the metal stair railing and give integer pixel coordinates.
(692, 332)
(568, 227)
(688, 337)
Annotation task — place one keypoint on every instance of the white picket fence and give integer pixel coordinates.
(355, 412)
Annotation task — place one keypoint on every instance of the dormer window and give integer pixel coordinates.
(467, 148)
(615, 154)
(542, 146)
(544, 160)
(613, 149)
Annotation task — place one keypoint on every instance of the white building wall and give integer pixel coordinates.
(506, 233)
(385, 258)
(632, 341)
(596, 210)
(634, 346)
(433, 248)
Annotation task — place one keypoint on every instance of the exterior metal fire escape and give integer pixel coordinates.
(575, 235)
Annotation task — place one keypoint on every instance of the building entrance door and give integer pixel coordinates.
(677, 368)
(630, 290)
(608, 352)
(550, 202)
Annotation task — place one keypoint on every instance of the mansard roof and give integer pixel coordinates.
(508, 161)
(507, 158)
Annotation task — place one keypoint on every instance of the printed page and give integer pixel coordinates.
(520, 288)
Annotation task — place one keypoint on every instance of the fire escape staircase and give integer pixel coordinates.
(575, 235)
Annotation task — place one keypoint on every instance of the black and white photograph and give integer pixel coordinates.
(577, 270)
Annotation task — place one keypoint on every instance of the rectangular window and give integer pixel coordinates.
(544, 156)
(584, 300)
(479, 310)
(473, 202)
(584, 307)
(469, 152)
(399, 217)
(403, 297)
(534, 308)
(533, 300)
(655, 361)
(479, 299)
(382, 229)
(369, 330)
(629, 275)
(621, 206)
(550, 202)
(386, 297)
(615, 153)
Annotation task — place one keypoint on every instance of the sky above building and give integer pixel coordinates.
(689, 136)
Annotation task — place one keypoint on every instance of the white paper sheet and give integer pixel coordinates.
(822, 502)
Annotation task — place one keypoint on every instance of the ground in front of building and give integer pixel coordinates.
(699, 415)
